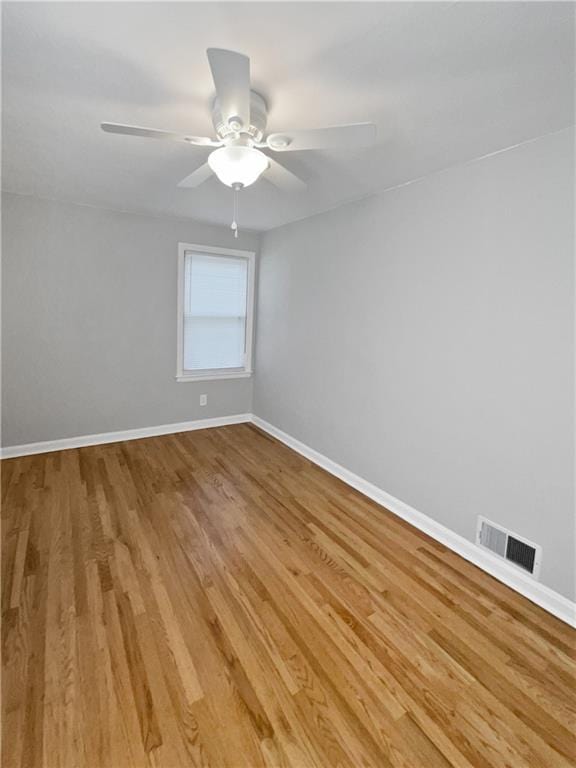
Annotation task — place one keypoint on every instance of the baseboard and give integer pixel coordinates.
(117, 437)
(535, 591)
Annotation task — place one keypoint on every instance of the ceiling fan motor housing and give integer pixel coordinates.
(258, 118)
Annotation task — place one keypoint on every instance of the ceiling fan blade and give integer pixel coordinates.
(231, 75)
(197, 177)
(283, 178)
(337, 136)
(152, 133)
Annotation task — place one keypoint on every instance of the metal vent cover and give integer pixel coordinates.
(520, 553)
(493, 539)
(509, 546)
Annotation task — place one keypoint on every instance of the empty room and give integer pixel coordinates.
(287, 388)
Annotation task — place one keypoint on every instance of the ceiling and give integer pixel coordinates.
(444, 82)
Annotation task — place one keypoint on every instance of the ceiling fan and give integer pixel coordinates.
(239, 116)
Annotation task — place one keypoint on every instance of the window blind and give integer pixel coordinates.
(215, 301)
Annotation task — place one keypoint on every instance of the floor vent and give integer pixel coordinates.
(517, 550)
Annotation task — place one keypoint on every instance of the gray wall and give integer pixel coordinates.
(423, 338)
(89, 322)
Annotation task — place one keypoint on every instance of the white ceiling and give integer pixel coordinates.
(444, 82)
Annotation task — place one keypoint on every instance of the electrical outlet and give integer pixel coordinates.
(203, 399)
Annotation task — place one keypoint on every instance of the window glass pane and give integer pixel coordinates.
(215, 292)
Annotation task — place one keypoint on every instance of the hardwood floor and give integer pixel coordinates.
(213, 599)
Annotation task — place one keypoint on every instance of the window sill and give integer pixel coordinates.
(213, 376)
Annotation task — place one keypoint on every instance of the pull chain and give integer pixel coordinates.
(234, 225)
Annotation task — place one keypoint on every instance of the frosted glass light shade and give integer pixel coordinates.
(238, 165)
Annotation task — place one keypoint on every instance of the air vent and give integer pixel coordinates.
(509, 546)
(493, 539)
(520, 553)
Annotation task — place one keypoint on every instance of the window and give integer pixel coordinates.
(215, 303)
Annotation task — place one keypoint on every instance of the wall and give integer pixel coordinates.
(423, 338)
(89, 322)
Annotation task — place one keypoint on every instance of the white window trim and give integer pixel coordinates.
(223, 373)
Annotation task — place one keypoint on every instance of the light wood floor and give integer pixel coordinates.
(213, 599)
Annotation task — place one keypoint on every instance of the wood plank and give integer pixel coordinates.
(214, 600)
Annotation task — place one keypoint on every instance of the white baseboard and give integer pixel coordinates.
(533, 590)
(116, 437)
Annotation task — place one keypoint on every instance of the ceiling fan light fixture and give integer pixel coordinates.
(239, 116)
(238, 165)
